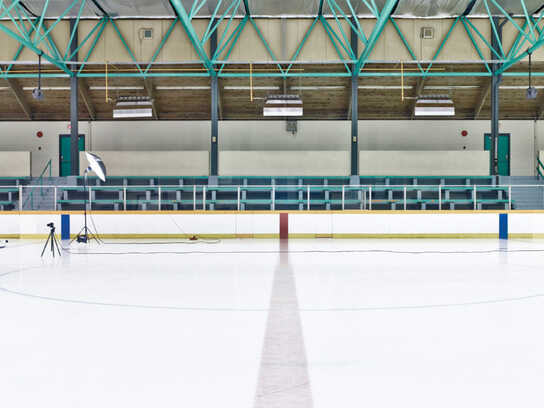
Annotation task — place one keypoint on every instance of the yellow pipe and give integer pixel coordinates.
(402, 81)
(251, 82)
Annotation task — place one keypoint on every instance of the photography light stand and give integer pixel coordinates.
(86, 234)
(97, 166)
(52, 241)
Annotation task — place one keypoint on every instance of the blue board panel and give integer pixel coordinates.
(503, 226)
(65, 226)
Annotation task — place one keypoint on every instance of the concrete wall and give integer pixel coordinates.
(446, 135)
(284, 163)
(419, 163)
(152, 163)
(14, 164)
(271, 135)
(527, 137)
(16, 136)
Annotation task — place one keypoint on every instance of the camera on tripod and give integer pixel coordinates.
(51, 241)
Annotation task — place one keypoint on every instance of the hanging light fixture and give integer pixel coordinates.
(434, 105)
(283, 105)
(37, 93)
(531, 91)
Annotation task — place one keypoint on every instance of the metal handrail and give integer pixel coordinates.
(30, 197)
(539, 167)
(348, 196)
(366, 194)
(40, 178)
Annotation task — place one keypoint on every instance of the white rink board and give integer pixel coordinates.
(267, 223)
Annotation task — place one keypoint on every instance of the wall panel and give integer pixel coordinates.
(152, 163)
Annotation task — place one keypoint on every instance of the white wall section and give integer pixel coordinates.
(421, 163)
(527, 137)
(151, 163)
(283, 163)
(15, 164)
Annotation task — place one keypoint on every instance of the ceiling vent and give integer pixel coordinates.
(427, 33)
(146, 34)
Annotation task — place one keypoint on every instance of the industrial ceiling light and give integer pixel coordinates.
(531, 91)
(283, 105)
(434, 105)
(37, 93)
(132, 113)
(134, 101)
(134, 110)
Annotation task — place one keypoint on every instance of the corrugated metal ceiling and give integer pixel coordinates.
(161, 8)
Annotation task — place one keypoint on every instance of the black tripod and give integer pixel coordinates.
(51, 240)
(86, 234)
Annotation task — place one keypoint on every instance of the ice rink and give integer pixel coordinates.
(263, 324)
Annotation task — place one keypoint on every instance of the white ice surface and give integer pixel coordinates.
(171, 330)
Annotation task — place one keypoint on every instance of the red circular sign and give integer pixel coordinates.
(39, 133)
(464, 133)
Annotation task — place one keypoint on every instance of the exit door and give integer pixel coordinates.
(65, 159)
(503, 153)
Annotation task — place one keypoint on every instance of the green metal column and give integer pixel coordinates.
(496, 79)
(354, 114)
(74, 111)
(214, 146)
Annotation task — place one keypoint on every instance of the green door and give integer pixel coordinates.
(64, 153)
(503, 154)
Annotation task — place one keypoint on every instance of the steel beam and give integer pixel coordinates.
(214, 137)
(386, 12)
(30, 45)
(84, 93)
(74, 106)
(496, 79)
(17, 91)
(193, 37)
(354, 113)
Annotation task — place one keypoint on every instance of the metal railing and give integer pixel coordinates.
(275, 197)
(30, 197)
(539, 168)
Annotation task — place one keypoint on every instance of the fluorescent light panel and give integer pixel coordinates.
(434, 111)
(284, 102)
(116, 88)
(255, 88)
(134, 103)
(282, 111)
(132, 113)
(435, 101)
(318, 88)
(182, 88)
(385, 87)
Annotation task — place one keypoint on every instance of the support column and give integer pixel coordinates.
(354, 114)
(74, 113)
(496, 80)
(214, 147)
